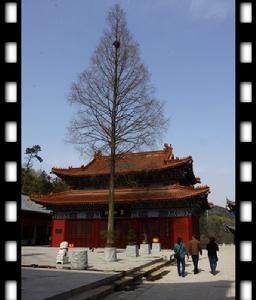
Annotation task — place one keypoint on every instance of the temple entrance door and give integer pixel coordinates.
(81, 233)
(41, 235)
(156, 228)
(122, 228)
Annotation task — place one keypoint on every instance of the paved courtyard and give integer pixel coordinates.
(46, 256)
(41, 283)
(38, 284)
(202, 286)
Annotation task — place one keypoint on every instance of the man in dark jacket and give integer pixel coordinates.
(212, 249)
(194, 250)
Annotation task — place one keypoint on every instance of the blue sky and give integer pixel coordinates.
(188, 47)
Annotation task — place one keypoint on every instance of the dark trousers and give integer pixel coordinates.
(181, 261)
(213, 262)
(195, 259)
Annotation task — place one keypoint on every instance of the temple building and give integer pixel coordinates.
(154, 195)
(36, 222)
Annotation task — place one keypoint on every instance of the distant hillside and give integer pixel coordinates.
(212, 225)
(220, 211)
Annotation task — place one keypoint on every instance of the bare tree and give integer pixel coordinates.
(118, 112)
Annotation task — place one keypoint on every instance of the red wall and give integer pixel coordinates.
(182, 227)
(58, 237)
(177, 227)
(196, 226)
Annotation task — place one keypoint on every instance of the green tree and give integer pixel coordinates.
(44, 183)
(41, 183)
(29, 181)
(32, 153)
(212, 226)
(28, 175)
(58, 185)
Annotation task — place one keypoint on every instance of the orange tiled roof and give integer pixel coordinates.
(125, 195)
(127, 163)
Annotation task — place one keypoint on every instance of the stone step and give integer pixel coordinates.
(88, 287)
(148, 270)
(154, 267)
(122, 282)
(148, 264)
(157, 274)
(101, 288)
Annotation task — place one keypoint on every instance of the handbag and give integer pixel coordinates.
(177, 254)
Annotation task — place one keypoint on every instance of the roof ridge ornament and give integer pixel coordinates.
(168, 147)
(98, 154)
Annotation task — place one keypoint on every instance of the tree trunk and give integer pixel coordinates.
(110, 233)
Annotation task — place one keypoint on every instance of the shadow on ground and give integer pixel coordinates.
(39, 284)
(215, 290)
(33, 254)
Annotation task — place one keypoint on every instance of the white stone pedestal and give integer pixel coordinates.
(132, 250)
(110, 254)
(156, 248)
(79, 260)
(62, 256)
(144, 249)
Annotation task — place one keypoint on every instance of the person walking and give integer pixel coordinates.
(194, 250)
(180, 253)
(212, 249)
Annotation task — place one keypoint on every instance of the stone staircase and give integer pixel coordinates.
(98, 290)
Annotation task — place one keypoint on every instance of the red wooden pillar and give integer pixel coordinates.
(196, 226)
(97, 242)
(136, 227)
(59, 232)
(190, 228)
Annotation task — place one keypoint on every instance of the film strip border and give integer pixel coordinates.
(245, 148)
(11, 143)
(11, 147)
